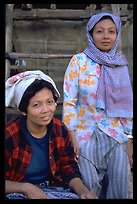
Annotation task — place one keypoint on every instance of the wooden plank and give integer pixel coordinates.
(65, 14)
(15, 55)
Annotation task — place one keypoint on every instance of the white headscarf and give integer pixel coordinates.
(17, 85)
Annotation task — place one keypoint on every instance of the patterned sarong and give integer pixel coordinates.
(53, 192)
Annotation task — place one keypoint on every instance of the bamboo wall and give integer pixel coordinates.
(46, 38)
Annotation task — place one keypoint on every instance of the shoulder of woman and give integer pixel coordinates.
(59, 124)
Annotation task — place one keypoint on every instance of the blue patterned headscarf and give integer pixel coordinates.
(114, 93)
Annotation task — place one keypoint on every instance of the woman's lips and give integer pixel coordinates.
(45, 118)
(105, 43)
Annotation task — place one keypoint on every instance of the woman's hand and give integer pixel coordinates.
(129, 151)
(74, 143)
(79, 187)
(33, 192)
(88, 195)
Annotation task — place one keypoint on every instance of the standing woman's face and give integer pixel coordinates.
(104, 34)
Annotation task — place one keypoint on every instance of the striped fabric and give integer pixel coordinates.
(103, 164)
(114, 93)
(52, 192)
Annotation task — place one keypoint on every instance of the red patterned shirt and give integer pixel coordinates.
(18, 152)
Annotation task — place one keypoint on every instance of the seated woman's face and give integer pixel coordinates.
(41, 108)
(104, 34)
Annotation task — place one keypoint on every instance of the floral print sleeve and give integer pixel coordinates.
(127, 124)
(71, 94)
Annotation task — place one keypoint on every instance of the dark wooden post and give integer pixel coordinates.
(9, 30)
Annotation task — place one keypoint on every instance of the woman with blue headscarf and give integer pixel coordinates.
(98, 109)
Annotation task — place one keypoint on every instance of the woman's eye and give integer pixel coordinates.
(112, 31)
(35, 105)
(51, 102)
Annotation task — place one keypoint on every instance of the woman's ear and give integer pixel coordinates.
(55, 104)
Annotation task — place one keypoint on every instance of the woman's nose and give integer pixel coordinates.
(45, 107)
(106, 34)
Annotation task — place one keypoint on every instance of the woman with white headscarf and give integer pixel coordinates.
(39, 157)
(98, 108)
